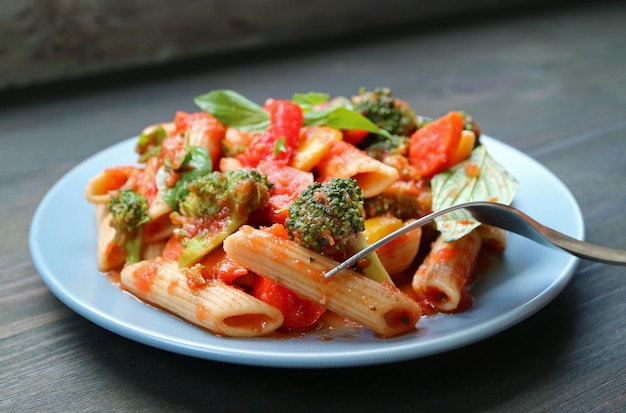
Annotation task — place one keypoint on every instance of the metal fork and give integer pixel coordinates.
(510, 219)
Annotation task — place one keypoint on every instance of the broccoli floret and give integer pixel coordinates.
(129, 211)
(328, 217)
(379, 147)
(389, 113)
(403, 206)
(216, 206)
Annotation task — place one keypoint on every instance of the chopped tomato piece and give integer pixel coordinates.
(432, 147)
(280, 140)
(146, 184)
(114, 178)
(278, 230)
(173, 248)
(288, 183)
(221, 266)
(354, 136)
(173, 149)
(217, 265)
(298, 312)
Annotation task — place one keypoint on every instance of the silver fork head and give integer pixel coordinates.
(508, 218)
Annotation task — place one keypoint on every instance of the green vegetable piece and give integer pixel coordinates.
(342, 118)
(218, 203)
(378, 147)
(197, 162)
(129, 212)
(149, 144)
(388, 113)
(280, 146)
(308, 100)
(487, 181)
(234, 110)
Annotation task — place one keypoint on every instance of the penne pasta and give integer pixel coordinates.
(344, 160)
(110, 256)
(397, 255)
(229, 164)
(98, 189)
(159, 229)
(379, 306)
(443, 279)
(203, 130)
(169, 128)
(152, 249)
(210, 304)
(237, 138)
(493, 238)
(158, 207)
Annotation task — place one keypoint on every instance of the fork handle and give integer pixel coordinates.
(544, 235)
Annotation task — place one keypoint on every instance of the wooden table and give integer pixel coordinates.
(551, 83)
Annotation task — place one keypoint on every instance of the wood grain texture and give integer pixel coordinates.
(551, 83)
(62, 39)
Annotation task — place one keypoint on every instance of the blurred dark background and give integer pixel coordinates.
(47, 41)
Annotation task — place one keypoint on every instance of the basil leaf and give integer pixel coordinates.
(491, 183)
(233, 109)
(307, 100)
(280, 146)
(197, 163)
(149, 144)
(342, 118)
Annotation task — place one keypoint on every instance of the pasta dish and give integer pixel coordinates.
(232, 214)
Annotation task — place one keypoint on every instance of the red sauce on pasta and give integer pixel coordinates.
(202, 313)
(145, 276)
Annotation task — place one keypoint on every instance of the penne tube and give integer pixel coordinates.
(237, 138)
(493, 238)
(98, 189)
(344, 160)
(398, 254)
(229, 164)
(152, 250)
(444, 278)
(169, 128)
(379, 306)
(158, 207)
(157, 230)
(110, 256)
(212, 304)
(205, 131)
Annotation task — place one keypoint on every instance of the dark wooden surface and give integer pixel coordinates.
(60, 39)
(551, 83)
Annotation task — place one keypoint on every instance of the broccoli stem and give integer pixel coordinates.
(132, 245)
(198, 246)
(376, 271)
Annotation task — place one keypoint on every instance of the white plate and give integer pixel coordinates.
(63, 244)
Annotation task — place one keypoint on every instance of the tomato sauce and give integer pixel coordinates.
(145, 275)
